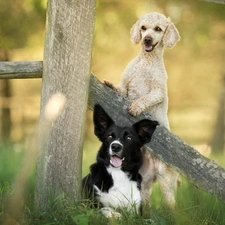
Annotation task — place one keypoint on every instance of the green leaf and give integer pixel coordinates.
(81, 219)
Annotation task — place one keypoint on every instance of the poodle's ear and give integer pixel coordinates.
(102, 121)
(135, 33)
(171, 36)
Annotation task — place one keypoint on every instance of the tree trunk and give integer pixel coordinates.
(66, 70)
(5, 93)
(6, 123)
(217, 142)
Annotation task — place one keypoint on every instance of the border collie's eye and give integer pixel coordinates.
(158, 29)
(143, 28)
(109, 137)
(129, 138)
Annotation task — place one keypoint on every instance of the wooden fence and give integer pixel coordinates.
(199, 170)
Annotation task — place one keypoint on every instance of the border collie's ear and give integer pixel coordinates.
(101, 121)
(145, 129)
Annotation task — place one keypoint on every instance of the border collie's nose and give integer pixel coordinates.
(116, 147)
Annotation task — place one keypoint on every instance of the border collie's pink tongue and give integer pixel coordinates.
(115, 161)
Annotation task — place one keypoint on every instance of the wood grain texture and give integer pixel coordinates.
(21, 70)
(66, 70)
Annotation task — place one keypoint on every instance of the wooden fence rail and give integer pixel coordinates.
(199, 170)
(21, 70)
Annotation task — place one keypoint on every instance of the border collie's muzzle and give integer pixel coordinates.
(116, 154)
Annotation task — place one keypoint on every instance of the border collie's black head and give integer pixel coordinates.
(121, 145)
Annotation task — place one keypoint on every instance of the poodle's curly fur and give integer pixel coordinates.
(144, 82)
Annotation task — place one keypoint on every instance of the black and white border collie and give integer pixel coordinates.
(114, 179)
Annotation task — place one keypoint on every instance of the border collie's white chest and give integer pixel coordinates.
(123, 193)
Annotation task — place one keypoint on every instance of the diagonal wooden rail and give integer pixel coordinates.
(199, 170)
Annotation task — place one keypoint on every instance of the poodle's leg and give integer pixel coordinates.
(156, 96)
(146, 191)
(168, 181)
(147, 172)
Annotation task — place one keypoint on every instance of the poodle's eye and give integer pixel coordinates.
(143, 28)
(158, 29)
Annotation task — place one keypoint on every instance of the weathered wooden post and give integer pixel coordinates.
(66, 70)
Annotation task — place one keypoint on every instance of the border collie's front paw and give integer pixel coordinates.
(110, 213)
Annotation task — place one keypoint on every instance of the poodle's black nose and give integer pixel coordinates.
(116, 147)
(148, 40)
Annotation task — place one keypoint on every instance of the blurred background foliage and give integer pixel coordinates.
(195, 66)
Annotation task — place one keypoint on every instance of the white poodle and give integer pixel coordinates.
(144, 82)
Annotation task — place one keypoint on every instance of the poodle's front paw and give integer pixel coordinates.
(136, 108)
(109, 84)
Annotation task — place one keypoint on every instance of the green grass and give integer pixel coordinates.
(194, 207)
